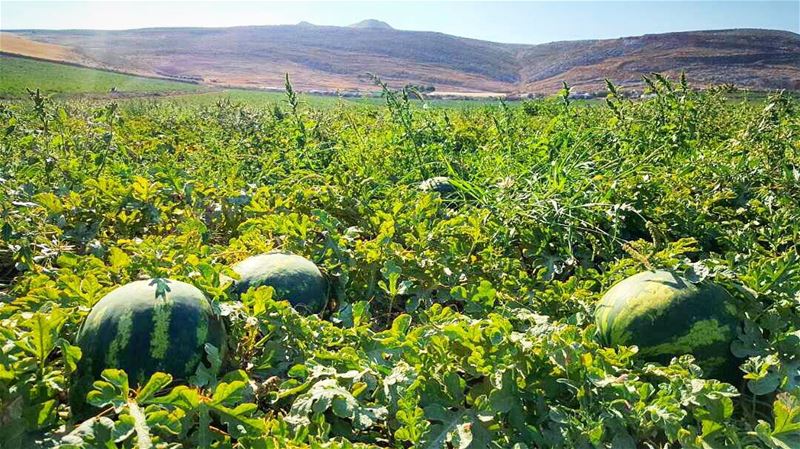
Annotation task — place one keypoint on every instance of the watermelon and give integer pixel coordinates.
(667, 316)
(293, 277)
(438, 184)
(141, 332)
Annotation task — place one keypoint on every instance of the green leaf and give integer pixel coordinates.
(503, 399)
(459, 428)
(206, 375)
(118, 258)
(42, 414)
(71, 354)
(96, 432)
(328, 394)
(43, 335)
(165, 421)
(51, 203)
(765, 385)
(181, 396)
(227, 393)
(785, 433)
(355, 314)
(113, 391)
(239, 420)
(786, 409)
(157, 382)
(623, 440)
(400, 324)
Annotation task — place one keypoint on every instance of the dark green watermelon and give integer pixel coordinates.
(667, 316)
(438, 184)
(133, 329)
(293, 277)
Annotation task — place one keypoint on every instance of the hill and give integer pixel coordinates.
(759, 59)
(328, 57)
(372, 23)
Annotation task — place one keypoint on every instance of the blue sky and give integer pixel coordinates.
(521, 22)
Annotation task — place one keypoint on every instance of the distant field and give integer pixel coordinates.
(17, 74)
(256, 98)
(251, 98)
(66, 81)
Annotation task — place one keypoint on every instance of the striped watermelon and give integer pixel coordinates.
(133, 329)
(293, 277)
(667, 316)
(449, 192)
(438, 184)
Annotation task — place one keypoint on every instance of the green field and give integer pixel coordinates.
(253, 98)
(268, 99)
(456, 319)
(19, 74)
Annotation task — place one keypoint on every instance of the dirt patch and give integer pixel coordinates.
(466, 94)
(11, 43)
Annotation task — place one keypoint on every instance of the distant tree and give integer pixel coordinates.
(421, 88)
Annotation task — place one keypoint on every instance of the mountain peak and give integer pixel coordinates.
(372, 23)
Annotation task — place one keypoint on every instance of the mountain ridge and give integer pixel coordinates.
(371, 23)
(330, 58)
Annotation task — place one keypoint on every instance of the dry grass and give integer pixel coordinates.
(10, 43)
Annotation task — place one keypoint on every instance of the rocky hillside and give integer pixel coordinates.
(329, 58)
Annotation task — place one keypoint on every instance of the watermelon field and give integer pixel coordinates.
(217, 274)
